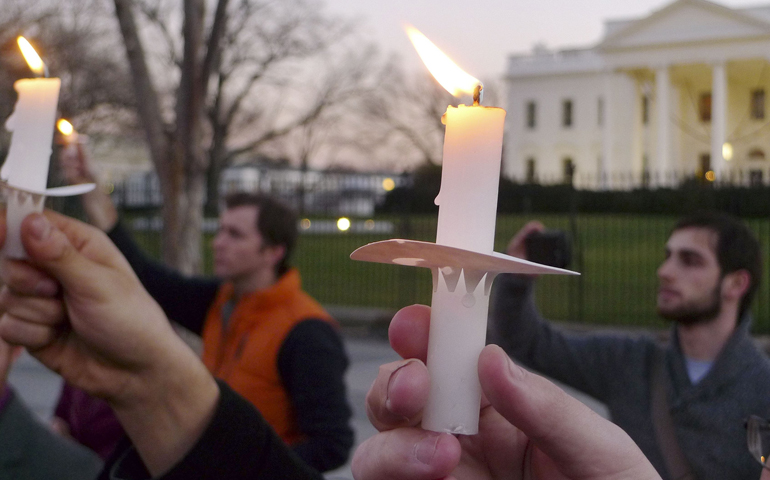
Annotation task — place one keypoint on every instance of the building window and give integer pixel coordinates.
(600, 112)
(755, 178)
(566, 113)
(531, 115)
(568, 169)
(531, 170)
(758, 104)
(756, 154)
(704, 165)
(704, 107)
(645, 110)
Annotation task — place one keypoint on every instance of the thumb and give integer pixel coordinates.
(567, 431)
(52, 250)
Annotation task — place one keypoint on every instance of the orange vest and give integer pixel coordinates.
(246, 355)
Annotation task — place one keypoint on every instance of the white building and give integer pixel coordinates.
(681, 92)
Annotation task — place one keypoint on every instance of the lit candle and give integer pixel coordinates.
(70, 140)
(25, 171)
(31, 122)
(69, 134)
(467, 201)
(26, 167)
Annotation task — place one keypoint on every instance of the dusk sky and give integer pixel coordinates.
(480, 34)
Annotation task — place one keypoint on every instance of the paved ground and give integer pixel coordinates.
(39, 388)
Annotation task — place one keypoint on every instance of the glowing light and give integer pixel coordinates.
(30, 55)
(446, 72)
(710, 176)
(388, 184)
(65, 127)
(305, 223)
(369, 224)
(343, 224)
(727, 151)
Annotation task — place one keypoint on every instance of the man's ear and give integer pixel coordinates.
(275, 253)
(736, 284)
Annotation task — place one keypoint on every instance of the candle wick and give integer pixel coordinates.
(478, 94)
(45, 70)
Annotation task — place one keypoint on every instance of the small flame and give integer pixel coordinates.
(449, 75)
(65, 127)
(30, 55)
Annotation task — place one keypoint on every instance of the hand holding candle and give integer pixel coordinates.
(25, 171)
(462, 259)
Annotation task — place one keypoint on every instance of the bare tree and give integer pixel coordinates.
(75, 41)
(239, 75)
(404, 115)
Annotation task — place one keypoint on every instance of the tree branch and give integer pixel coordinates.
(213, 46)
(146, 96)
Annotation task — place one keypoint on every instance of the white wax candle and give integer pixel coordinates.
(458, 327)
(26, 166)
(467, 211)
(32, 124)
(470, 174)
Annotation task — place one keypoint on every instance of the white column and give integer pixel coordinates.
(718, 118)
(662, 104)
(637, 136)
(606, 160)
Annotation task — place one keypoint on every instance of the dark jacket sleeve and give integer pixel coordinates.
(238, 444)
(30, 450)
(185, 300)
(593, 364)
(312, 364)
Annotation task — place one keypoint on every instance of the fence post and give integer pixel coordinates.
(406, 278)
(577, 245)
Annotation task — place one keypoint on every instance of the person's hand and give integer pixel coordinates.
(113, 323)
(528, 428)
(517, 247)
(7, 356)
(76, 167)
(77, 306)
(75, 164)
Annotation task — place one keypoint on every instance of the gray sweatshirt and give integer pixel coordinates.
(616, 369)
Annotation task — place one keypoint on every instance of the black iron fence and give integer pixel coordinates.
(617, 256)
(616, 253)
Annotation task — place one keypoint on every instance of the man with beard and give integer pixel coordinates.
(683, 403)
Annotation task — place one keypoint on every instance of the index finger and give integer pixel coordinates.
(516, 246)
(408, 332)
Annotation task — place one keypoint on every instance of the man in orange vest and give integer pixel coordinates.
(262, 334)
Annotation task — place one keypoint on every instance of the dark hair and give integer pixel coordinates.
(276, 222)
(737, 248)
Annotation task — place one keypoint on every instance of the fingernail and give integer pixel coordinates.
(39, 227)
(392, 381)
(46, 288)
(425, 449)
(514, 371)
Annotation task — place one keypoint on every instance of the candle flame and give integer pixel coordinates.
(65, 127)
(30, 55)
(445, 71)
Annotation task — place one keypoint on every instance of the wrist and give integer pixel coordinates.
(100, 209)
(167, 408)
